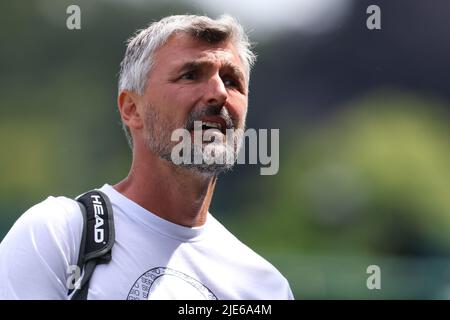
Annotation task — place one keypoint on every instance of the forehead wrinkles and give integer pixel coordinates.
(217, 54)
(213, 58)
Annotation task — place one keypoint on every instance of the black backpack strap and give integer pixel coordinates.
(97, 238)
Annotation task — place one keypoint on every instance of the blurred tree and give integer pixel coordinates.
(373, 178)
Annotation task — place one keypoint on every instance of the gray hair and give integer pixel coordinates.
(138, 60)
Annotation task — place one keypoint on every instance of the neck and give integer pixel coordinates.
(172, 193)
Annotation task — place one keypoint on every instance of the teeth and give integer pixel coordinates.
(213, 125)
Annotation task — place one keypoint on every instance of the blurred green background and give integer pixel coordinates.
(364, 131)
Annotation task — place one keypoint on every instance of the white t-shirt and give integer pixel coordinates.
(152, 258)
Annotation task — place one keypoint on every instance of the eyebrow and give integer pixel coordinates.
(196, 64)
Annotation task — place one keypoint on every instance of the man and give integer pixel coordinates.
(182, 72)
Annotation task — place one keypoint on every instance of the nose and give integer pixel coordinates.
(215, 92)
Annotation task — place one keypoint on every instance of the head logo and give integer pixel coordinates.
(99, 232)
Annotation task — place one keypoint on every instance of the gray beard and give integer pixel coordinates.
(159, 142)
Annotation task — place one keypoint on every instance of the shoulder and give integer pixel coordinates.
(259, 269)
(37, 250)
(233, 244)
(55, 222)
(55, 213)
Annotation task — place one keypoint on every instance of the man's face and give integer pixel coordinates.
(192, 80)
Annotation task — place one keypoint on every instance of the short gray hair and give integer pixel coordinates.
(138, 60)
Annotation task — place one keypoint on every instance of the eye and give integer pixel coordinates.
(190, 75)
(230, 82)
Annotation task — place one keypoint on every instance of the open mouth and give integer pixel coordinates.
(213, 125)
(212, 130)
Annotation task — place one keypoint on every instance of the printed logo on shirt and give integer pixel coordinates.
(163, 283)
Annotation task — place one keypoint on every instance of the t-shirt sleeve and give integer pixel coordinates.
(290, 295)
(37, 252)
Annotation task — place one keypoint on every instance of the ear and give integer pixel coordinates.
(127, 103)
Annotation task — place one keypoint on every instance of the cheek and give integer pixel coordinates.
(181, 98)
(241, 109)
(243, 117)
(185, 99)
(173, 106)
